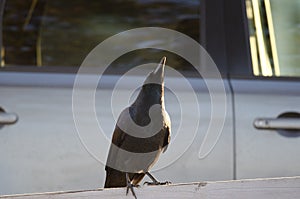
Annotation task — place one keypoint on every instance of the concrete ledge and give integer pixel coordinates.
(255, 188)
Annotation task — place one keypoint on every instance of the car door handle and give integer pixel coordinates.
(8, 118)
(277, 123)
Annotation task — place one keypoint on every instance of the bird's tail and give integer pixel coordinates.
(114, 178)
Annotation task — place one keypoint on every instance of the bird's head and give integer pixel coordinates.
(152, 91)
(156, 77)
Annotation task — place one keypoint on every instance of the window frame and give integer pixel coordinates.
(237, 42)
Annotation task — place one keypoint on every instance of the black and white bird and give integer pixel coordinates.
(141, 134)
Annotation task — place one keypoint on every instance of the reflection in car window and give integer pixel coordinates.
(62, 33)
(274, 27)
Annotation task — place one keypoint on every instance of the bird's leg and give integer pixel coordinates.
(130, 186)
(154, 181)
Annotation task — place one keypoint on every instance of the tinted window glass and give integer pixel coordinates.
(274, 37)
(62, 33)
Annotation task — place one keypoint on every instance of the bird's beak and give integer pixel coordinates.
(157, 75)
(160, 70)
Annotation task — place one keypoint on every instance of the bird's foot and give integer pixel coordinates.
(157, 183)
(154, 181)
(130, 186)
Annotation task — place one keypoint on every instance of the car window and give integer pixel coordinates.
(61, 33)
(274, 30)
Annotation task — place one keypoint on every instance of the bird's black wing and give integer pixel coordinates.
(117, 139)
(115, 178)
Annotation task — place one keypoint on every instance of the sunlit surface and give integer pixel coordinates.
(274, 37)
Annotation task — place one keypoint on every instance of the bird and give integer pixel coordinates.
(142, 132)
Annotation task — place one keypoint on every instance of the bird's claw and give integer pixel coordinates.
(130, 186)
(157, 183)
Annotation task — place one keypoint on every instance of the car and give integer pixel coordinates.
(69, 67)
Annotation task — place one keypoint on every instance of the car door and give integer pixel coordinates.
(41, 151)
(267, 128)
(266, 94)
(44, 44)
